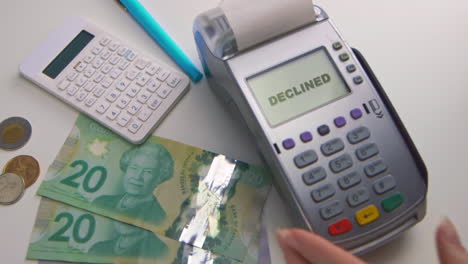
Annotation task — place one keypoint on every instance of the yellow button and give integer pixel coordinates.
(367, 215)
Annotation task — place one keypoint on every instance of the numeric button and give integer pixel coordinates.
(358, 197)
(305, 159)
(341, 163)
(358, 135)
(323, 193)
(384, 185)
(367, 151)
(349, 180)
(331, 210)
(313, 176)
(333, 146)
(375, 168)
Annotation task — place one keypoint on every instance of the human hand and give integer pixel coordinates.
(303, 247)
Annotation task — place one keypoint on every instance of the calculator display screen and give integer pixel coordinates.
(68, 54)
(298, 86)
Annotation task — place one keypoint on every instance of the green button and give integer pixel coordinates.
(392, 202)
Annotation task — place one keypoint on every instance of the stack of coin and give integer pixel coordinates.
(24, 166)
(15, 132)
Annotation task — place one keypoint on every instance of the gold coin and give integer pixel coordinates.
(12, 133)
(24, 166)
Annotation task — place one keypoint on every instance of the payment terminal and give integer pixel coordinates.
(341, 158)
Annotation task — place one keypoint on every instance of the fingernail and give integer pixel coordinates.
(284, 235)
(448, 233)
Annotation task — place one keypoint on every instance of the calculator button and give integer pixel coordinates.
(323, 130)
(162, 74)
(141, 64)
(340, 121)
(123, 119)
(80, 66)
(323, 193)
(114, 60)
(289, 143)
(99, 91)
(134, 126)
(104, 41)
(143, 96)
(331, 210)
(114, 74)
(112, 96)
(122, 84)
(90, 87)
(341, 163)
(107, 82)
(337, 46)
(344, 57)
(367, 151)
(164, 91)
(89, 72)
(122, 51)
(113, 113)
(123, 101)
(391, 203)
(63, 85)
(133, 90)
(154, 102)
(375, 168)
(81, 95)
(102, 107)
(351, 68)
(367, 215)
(97, 63)
(89, 58)
(153, 85)
(358, 135)
(123, 64)
(173, 80)
(72, 76)
(132, 74)
(145, 114)
(356, 113)
(340, 227)
(96, 50)
(130, 55)
(106, 68)
(305, 159)
(306, 136)
(114, 46)
(313, 176)
(358, 197)
(98, 77)
(106, 54)
(72, 90)
(358, 80)
(133, 108)
(349, 180)
(152, 69)
(384, 185)
(81, 81)
(331, 147)
(90, 101)
(142, 79)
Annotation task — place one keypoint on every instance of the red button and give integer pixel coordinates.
(340, 227)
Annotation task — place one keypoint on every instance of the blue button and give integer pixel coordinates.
(323, 130)
(306, 136)
(340, 121)
(356, 113)
(289, 143)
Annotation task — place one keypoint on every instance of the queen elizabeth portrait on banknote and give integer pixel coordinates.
(144, 167)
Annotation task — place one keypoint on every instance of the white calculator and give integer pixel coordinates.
(106, 79)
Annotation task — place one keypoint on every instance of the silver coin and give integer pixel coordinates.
(15, 132)
(11, 188)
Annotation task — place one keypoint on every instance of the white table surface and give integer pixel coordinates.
(418, 49)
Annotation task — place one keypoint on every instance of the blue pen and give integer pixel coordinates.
(141, 15)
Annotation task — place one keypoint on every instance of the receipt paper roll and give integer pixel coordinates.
(255, 21)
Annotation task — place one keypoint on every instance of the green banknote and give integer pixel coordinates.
(185, 193)
(65, 233)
